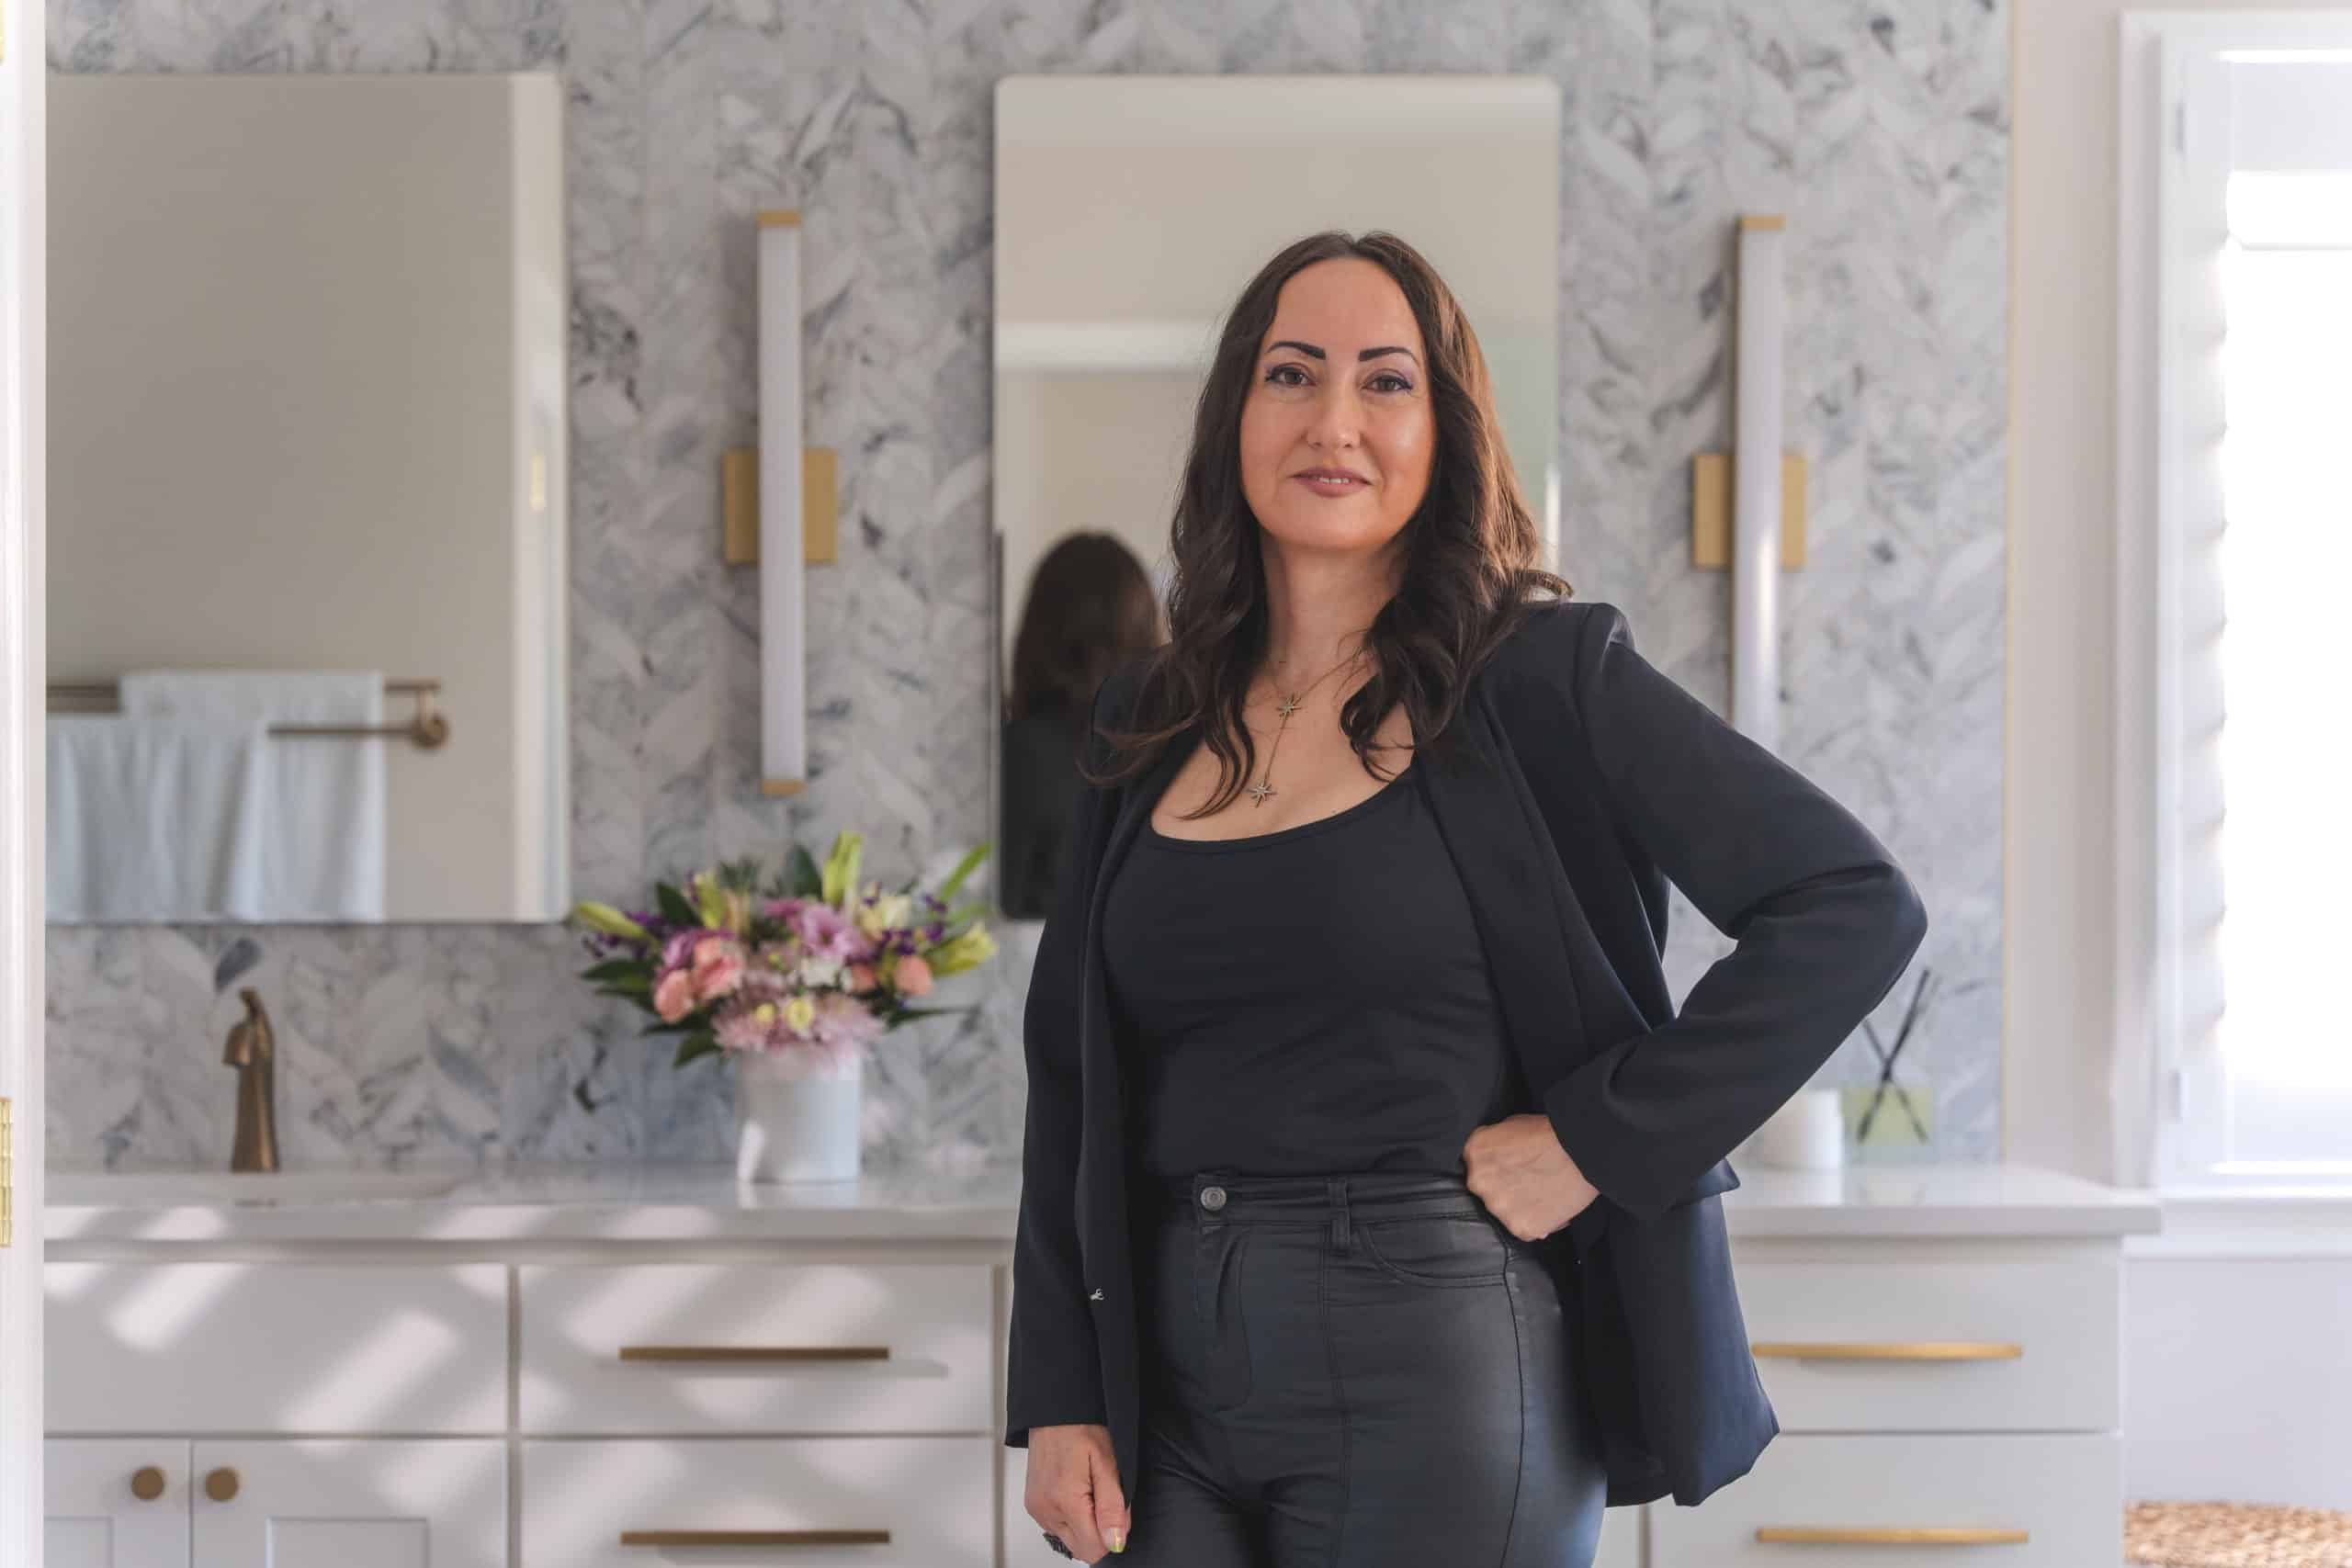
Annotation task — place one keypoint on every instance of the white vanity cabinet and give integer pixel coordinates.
(232, 1503)
(559, 1369)
(116, 1503)
(622, 1367)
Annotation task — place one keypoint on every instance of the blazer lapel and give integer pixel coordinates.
(1560, 997)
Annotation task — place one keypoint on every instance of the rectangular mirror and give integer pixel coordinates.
(1130, 213)
(307, 586)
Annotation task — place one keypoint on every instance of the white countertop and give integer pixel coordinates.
(623, 1202)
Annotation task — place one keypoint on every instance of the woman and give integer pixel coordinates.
(1369, 1206)
(1090, 608)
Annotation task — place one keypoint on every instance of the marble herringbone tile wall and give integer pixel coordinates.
(1882, 129)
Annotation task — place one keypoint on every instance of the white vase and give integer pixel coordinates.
(1807, 1133)
(795, 1121)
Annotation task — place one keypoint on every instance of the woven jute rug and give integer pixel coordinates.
(2235, 1535)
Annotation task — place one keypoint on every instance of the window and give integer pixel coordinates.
(2249, 622)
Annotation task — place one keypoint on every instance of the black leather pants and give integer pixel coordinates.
(1359, 1370)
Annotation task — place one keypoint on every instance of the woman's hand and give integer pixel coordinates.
(1519, 1169)
(1073, 1489)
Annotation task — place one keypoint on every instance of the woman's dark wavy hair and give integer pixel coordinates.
(1472, 548)
(1089, 610)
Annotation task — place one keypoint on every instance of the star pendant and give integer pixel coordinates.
(1259, 791)
(1289, 706)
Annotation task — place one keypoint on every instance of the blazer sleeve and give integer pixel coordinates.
(1825, 923)
(1052, 1372)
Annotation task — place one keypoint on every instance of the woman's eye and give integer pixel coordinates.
(1395, 383)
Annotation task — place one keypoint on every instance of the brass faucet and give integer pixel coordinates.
(253, 1051)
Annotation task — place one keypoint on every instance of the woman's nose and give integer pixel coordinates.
(1339, 420)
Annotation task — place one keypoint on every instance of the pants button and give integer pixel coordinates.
(1212, 1198)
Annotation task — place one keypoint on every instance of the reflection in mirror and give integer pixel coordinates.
(1090, 606)
(306, 566)
(1130, 211)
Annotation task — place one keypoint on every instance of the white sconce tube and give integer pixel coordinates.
(1756, 483)
(784, 676)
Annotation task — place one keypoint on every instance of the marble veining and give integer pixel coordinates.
(1883, 133)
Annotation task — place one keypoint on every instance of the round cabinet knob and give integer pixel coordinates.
(220, 1485)
(147, 1483)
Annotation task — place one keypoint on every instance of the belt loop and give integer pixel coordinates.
(1339, 1190)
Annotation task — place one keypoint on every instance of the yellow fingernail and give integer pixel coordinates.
(1118, 1540)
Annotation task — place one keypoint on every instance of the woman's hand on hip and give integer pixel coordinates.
(1520, 1171)
(1073, 1489)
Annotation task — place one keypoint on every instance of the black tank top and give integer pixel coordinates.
(1306, 1001)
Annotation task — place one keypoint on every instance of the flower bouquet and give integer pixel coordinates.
(794, 980)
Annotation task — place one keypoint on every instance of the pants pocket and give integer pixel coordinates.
(1464, 1249)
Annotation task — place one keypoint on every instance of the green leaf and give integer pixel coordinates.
(807, 881)
(693, 1045)
(611, 922)
(839, 876)
(903, 1014)
(675, 908)
(964, 868)
(618, 968)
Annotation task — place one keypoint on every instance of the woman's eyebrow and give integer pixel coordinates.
(1368, 354)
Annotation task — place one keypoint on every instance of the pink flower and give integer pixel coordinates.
(826, 932)
(675, 997)
(912, 976)
(680, 949)
(718, 968)
(861, 977)
(844, 1026)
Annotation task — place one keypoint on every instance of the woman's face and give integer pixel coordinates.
(1339, 383)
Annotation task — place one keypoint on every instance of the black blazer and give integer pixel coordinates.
(1576, 782)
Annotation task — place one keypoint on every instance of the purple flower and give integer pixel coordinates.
(680, 949)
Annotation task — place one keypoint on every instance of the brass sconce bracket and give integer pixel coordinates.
(1710, 510)
(738, 484)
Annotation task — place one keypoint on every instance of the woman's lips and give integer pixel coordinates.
(1322, 486)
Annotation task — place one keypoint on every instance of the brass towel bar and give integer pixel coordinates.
(427, 727)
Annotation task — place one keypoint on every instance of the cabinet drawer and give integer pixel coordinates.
(896, 1502)
(738, 1347)
(1934, 1347)
(1848, 1500)
(290, 1348)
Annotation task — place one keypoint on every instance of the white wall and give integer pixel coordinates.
(2238, 1370)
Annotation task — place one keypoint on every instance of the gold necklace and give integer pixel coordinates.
(1289, 705)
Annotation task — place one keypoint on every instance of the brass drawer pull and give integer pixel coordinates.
(147, 1483)
(1922, 1535)
(220, 1485)
(756, 1538)
(1864, 1350)
(755, 1352)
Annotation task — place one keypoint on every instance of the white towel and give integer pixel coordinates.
(326, 796)
(155, 820)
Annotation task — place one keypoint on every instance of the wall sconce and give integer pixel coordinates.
(779, 506)
(1748, 509)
